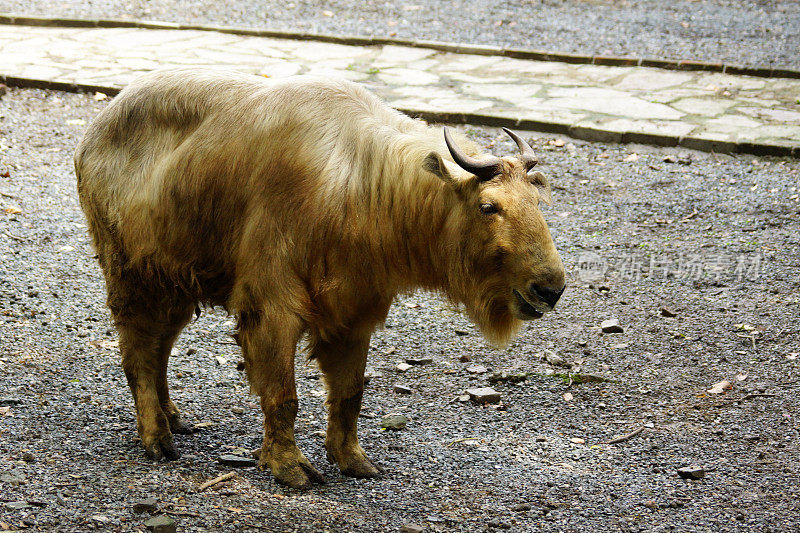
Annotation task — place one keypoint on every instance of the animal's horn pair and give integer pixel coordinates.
(486, 169)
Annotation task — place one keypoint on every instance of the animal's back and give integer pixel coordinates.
(185, 167)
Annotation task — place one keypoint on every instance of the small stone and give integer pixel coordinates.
(370, 374)
(235, 460)
(461, 332)
(554, 359)
(476, 369)
(28, 457)
(611, 326)
(191, 351)
(668, 312)
(14, 477)
(10, 401)
(484, 395)
(402, 367)
(161, 524)
(670, 159)
(463, 398)
(752, 438)
(464, 358)
(521, 507)
(3, 89)
(577, 440)
(691, 472)
(412, 528)
(650, 504)
(419, 361)
(394, 421)
(402, 389)
(541, 438)
(16, 506)
(237, 410)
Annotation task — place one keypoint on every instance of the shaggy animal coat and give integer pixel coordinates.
(303, 206)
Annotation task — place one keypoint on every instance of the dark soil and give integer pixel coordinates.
(752, 32)
(682, 234)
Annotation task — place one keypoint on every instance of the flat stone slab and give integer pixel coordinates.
(235, 460)
(484, 395)
(695, 109)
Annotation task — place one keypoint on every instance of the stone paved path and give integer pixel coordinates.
(707, 111)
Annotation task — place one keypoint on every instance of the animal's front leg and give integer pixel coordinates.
(269, 358)
(342, 361)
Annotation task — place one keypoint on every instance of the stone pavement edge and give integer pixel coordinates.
(703, 110)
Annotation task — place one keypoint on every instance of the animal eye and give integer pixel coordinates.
(488, 209)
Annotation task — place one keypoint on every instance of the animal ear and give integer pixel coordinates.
(435, 164)
(540, 181)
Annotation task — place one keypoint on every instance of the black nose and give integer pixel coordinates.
(546, 294)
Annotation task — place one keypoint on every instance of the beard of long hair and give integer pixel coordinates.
(489, 308)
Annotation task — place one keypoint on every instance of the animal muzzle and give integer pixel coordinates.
(536, 301)
(546, 294)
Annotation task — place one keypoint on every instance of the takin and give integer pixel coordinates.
(303, 206)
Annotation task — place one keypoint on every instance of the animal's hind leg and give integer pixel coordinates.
(177, 319)
(141, 344)
(268, 342)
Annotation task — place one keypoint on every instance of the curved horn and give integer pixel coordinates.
(526, 154)
(484, 169)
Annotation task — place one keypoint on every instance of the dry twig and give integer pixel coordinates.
(461, 440)
(10, 236)
(218, 479)
(629, 436)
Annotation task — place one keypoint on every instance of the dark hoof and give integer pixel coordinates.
(301, 476)
(163, 449)
(177, 425)
(364, 470)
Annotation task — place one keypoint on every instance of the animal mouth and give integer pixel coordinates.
(525, 311)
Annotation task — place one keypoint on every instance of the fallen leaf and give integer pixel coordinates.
(66, 249)
(13, 210)
(720, 387)
(792, 356)
(98, 96)
(741, 377)
(412, 305)
(632, 157)
(557, 142)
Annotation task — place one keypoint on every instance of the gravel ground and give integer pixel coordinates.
(68, 444)
(760, 32)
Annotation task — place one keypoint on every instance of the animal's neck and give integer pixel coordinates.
(421, 229)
